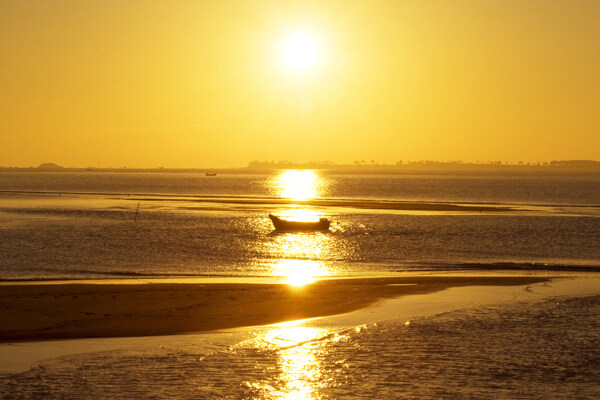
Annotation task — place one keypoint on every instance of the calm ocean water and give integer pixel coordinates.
(88, 225)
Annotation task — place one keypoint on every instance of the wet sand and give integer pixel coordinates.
(90, 310)
(259, 203)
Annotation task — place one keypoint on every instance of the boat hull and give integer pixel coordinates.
(299, 226)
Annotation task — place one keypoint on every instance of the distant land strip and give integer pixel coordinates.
(358, 167)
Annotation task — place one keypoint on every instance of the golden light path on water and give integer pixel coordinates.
(299, 350)
(298, 255)
(299, 259)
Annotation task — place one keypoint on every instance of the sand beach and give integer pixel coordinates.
(89, 310)
(95, 338)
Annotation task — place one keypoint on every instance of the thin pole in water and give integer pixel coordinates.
(136, 211)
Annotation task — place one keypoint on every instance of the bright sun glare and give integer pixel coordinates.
(300, 51)
(298, 185)
(299, 272)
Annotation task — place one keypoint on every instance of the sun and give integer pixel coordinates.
(300, 51)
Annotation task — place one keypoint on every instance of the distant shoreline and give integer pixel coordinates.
(421, 167)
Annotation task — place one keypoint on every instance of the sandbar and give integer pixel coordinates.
(91, 310)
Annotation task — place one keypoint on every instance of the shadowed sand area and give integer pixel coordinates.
(86, 310)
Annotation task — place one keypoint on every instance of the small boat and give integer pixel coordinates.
(211, 174)
(289, 226)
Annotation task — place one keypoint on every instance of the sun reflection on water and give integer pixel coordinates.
(298, 256)
(298, 184)
(301, 374)
(300, 246)
(299, 272)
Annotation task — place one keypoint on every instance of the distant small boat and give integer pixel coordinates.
(211, 174)
(289, 226)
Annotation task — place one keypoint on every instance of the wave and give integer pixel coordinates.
(503, 266)
(109, 275)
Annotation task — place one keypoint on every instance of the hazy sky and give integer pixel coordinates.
(219, 83)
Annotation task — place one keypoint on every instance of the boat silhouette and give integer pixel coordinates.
(298, 226)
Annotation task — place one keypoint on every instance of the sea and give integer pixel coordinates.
(78, 225)
(105, 226)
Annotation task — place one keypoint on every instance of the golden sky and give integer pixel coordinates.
(220, 83)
